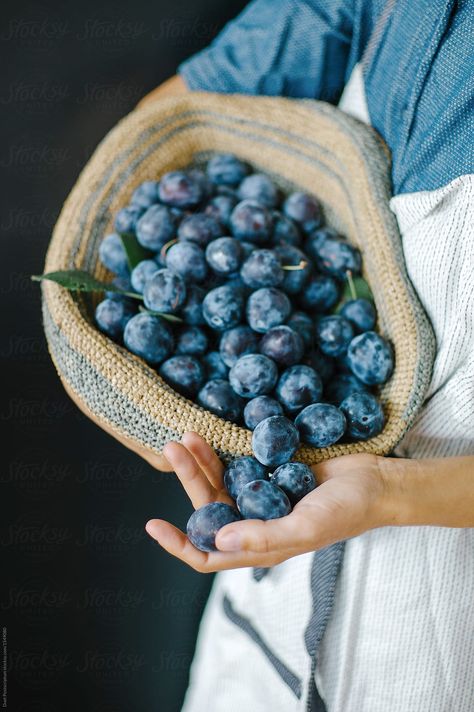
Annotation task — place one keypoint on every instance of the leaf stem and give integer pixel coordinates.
(166, 247)
(351, 284)
(301, 265)
(169, 317)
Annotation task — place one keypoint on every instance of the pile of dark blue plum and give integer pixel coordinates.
(242, 312)
(257, 495)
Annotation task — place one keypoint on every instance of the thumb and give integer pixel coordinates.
(265, 537)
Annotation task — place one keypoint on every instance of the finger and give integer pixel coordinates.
(159, 462)
(323, 471)
(194, 481)
(175, 542)
(294, 533)
(207, 459)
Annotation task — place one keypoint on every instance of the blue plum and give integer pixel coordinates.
(237, 342)
(226, 169)
(150, 337)
(202, 179)
(302, 323)
(180, 190)
(219, 397)
(295, 479)
(259, 187)
(142, 273)
(285, 231)
(253, 375)
(199, 228)
(223, 307)
(126, 219)
(336, 257)
(322, 364)
(275, 441)
(361, 313)
(315, 239)
(304, 209)
(164, 292)
(334, 334)
(320, 294)
(240, 472)
(259, 408)
(113, 256)
(343, 385)
(220, 208)
(183, 373)
(267, 307)
(262, 269)
(370, 358)
(321, 424)
(191, 340)
(294, 280)
(146, 194)
(283, 345)
(191, 311)
(214, 366)
(205, 522)
(263, 500)
(364, 415)
(298, 387)
(156, 227)
(224, 255)
(228, 191)
(187, 259)
(251, 221)
(112, 316)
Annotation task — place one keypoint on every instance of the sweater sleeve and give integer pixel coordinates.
(295, 48)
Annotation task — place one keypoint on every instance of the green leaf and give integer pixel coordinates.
(135, 252)
(358, 289)
(78, 280)
(362, 290)
(169, 317)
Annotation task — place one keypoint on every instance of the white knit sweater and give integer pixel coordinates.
(401, 635)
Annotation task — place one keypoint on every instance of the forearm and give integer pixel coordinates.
(437, 492)
(172, 87)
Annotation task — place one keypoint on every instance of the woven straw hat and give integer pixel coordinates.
(303, 145)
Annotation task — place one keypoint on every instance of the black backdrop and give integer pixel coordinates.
(97, 617)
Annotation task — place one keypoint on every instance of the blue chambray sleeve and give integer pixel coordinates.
(296, 48)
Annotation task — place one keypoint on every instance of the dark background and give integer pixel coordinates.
(98, 617)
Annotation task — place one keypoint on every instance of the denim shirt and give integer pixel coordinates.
(418, 67)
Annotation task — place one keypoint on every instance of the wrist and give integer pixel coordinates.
(401, 504)
(429, 492)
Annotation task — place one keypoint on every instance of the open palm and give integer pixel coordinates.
(348, 501)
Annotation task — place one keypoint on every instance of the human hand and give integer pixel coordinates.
(350, 499)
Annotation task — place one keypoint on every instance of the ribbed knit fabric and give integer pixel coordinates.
(401, 634)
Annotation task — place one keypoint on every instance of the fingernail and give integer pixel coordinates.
(230, 541)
